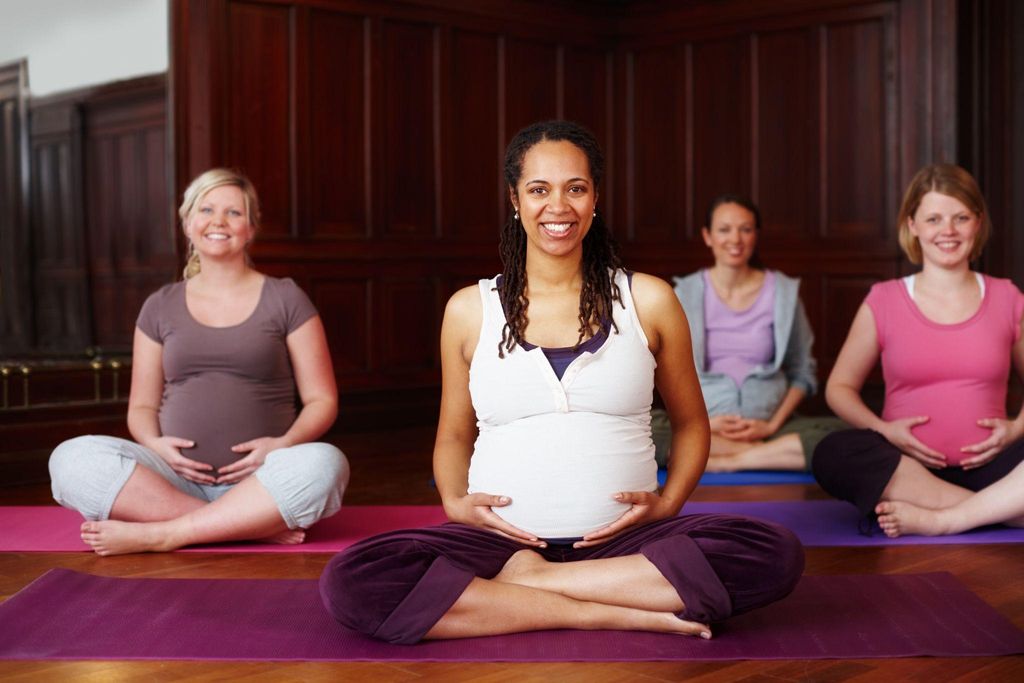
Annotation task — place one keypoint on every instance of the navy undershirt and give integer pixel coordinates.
(562, 356)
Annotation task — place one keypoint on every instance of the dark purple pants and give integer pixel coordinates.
(856, 465)
(396, 586)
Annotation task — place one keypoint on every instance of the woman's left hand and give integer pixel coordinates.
(749, 429)
(1004, 433)
(644, 508)
(257, 450)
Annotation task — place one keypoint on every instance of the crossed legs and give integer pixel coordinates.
(245, 512)
(678, 576)
(531, 594)
(134, 502)
(917, 502)
(861, 467)
(782, 453)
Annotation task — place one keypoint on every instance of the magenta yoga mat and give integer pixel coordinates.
(49, 528)
(818, 523)
(69, 615)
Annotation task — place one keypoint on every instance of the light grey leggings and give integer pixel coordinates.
(306, 481)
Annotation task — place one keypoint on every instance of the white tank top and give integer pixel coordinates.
(561, 448)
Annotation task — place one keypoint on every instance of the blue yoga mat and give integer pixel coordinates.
(751, 477)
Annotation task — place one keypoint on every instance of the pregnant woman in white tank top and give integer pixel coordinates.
(569, 458)
(544, 459)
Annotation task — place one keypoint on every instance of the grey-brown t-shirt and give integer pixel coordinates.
(226, 385)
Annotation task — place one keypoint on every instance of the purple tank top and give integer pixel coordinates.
(739, 341)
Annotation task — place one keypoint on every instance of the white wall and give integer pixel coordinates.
(75, 43)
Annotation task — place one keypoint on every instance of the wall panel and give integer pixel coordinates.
(532, 78)
(256, 128)
(408, 324)
(407, 174)
(339, 79)
(130, 240)
(344, 309)
(786, 126)
(721, 120)
(856, 105)
(658, 180)
(471, 150)
(61, 284)
(15, 239)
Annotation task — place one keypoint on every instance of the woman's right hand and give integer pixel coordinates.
(898, 433)
(474, 509)
(169, 448)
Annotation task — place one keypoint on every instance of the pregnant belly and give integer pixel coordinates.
(217, 416)
(950, 426)
(561, 472)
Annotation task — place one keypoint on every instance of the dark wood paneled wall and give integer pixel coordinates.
(374, 132)
(991, 107)
(62, 301)
(131, 237)
(15, 244)
(100, 213)
(798, 109)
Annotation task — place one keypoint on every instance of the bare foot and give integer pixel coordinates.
(721, 463)
(666, 622)
(898, 518)
(522, 569)
(287, 537)
(111, 537)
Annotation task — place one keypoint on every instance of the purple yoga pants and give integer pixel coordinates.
(397, 585)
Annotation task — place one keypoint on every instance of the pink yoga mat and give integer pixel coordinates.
(68, 615)
(818, 523)
(50, 528)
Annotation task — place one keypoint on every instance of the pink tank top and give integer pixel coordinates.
(954, 374)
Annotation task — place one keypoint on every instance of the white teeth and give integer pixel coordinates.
(557, 228)
(217, 236)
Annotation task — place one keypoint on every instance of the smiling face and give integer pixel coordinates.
(219, 224)
(732, 235)
(946, 230)
(555, 198)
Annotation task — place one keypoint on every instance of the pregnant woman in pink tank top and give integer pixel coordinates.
(943, 456)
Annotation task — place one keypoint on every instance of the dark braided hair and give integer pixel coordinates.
(600, 251)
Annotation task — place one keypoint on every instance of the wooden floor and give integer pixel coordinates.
(394, 468)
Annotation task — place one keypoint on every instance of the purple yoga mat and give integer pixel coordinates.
(818, 523)
(69, 615)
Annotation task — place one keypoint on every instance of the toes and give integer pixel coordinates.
(693, 628)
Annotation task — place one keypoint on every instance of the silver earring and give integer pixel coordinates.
(595, 213)
(517, 214)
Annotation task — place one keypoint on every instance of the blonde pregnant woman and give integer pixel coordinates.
(220, 452)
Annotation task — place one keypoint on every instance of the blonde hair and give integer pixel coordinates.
(949, 180)
(199, 188)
